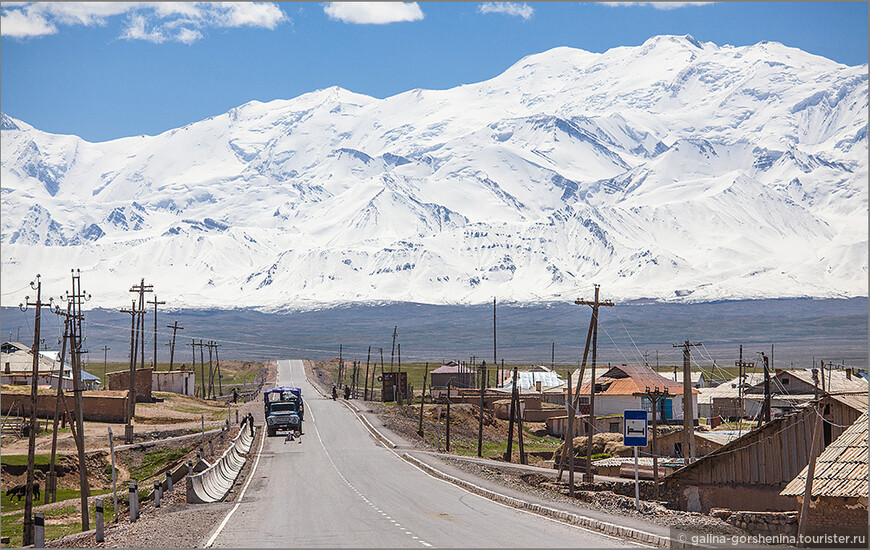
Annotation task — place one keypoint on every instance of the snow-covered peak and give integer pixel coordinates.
(674, 169)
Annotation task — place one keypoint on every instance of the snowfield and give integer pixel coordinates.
(675, 171)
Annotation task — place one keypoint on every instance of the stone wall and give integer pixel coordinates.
(768, 523)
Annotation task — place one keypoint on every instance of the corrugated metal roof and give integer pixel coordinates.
(730, 388)
(841, 469)
(835, 380)
(630, 379)
(526, 380)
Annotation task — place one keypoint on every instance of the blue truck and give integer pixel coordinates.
(284, 410)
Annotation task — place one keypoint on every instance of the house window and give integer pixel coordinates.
(785, 381)
(614, 427)
(7, 368)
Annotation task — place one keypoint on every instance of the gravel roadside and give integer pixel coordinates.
(176, 524)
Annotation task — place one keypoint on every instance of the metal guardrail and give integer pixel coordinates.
(213, 483)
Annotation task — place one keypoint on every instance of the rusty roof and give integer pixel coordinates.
(630, 379)
(841, 470)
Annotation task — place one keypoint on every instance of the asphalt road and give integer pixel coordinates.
(339, 488)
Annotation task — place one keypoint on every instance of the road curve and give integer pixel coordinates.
(339, 488)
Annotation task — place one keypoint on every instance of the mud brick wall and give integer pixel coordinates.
(120, 381)
(97, 406)
(837, 515)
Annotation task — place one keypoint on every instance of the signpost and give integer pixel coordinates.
(635, 435)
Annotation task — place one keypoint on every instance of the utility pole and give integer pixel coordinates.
(31, 442)
(175, 328)
(595, 304)
(511, 417)
(447, 439)
(393, 352)
(51, 479)
(423, 400)
(494, 348)
(156, 303)
(741, 371)
(105, 361)
(340, 362)
(398, 386)
(141, 289)
(202, 364)
(553, 358)
(688, 413)
(217, 361)
(75, 357)
(655, 396)
(482, 374)
(210, 370)
(569, 438)
(131, 397)
(193, 363)
(366, 389)
(765, 409)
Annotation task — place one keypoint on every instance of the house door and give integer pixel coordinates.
(667, 409)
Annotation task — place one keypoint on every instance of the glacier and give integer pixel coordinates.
(677, 170)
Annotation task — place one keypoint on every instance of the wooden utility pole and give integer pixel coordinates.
(175, 328)
(655, 396)
(811, 470)
(75, 359)
(688, 412)
(398, 386)
(141, 289)
(205, 390)
(31, 442)
(423, 400)
(210, 345)
(156, 303)
(511, 417)
(482, 374)
(553, 357)
(741, 370)
(217, 361)
(192, 345)
(520, 413)
(51, 479)
(594, 304)
(569, 438)
(447, 436)
(131, 397)
(105, 360)
(765, 409)
(494, 348)
(393, 352)
(366, 389)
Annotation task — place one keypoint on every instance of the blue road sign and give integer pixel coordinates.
(634, 429)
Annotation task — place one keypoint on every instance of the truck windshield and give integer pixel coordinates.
(283, 407)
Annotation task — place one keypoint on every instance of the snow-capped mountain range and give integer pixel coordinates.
(674, 170)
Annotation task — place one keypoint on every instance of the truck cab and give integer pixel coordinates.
(284, 410)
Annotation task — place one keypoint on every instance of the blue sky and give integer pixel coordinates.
(109, 70)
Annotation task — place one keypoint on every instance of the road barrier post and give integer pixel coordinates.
(39, 530)
(99, 513)
(211, 447)
(157, 494)
(134, 501)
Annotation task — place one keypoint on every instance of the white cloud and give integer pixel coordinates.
(508, 8)
(21, 24)
(656, 5)
(374, 13)
(150, 21)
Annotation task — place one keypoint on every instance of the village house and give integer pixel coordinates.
(453, 373)
(750, 472)
(838, 498)
(17, 368)
(615, 391)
